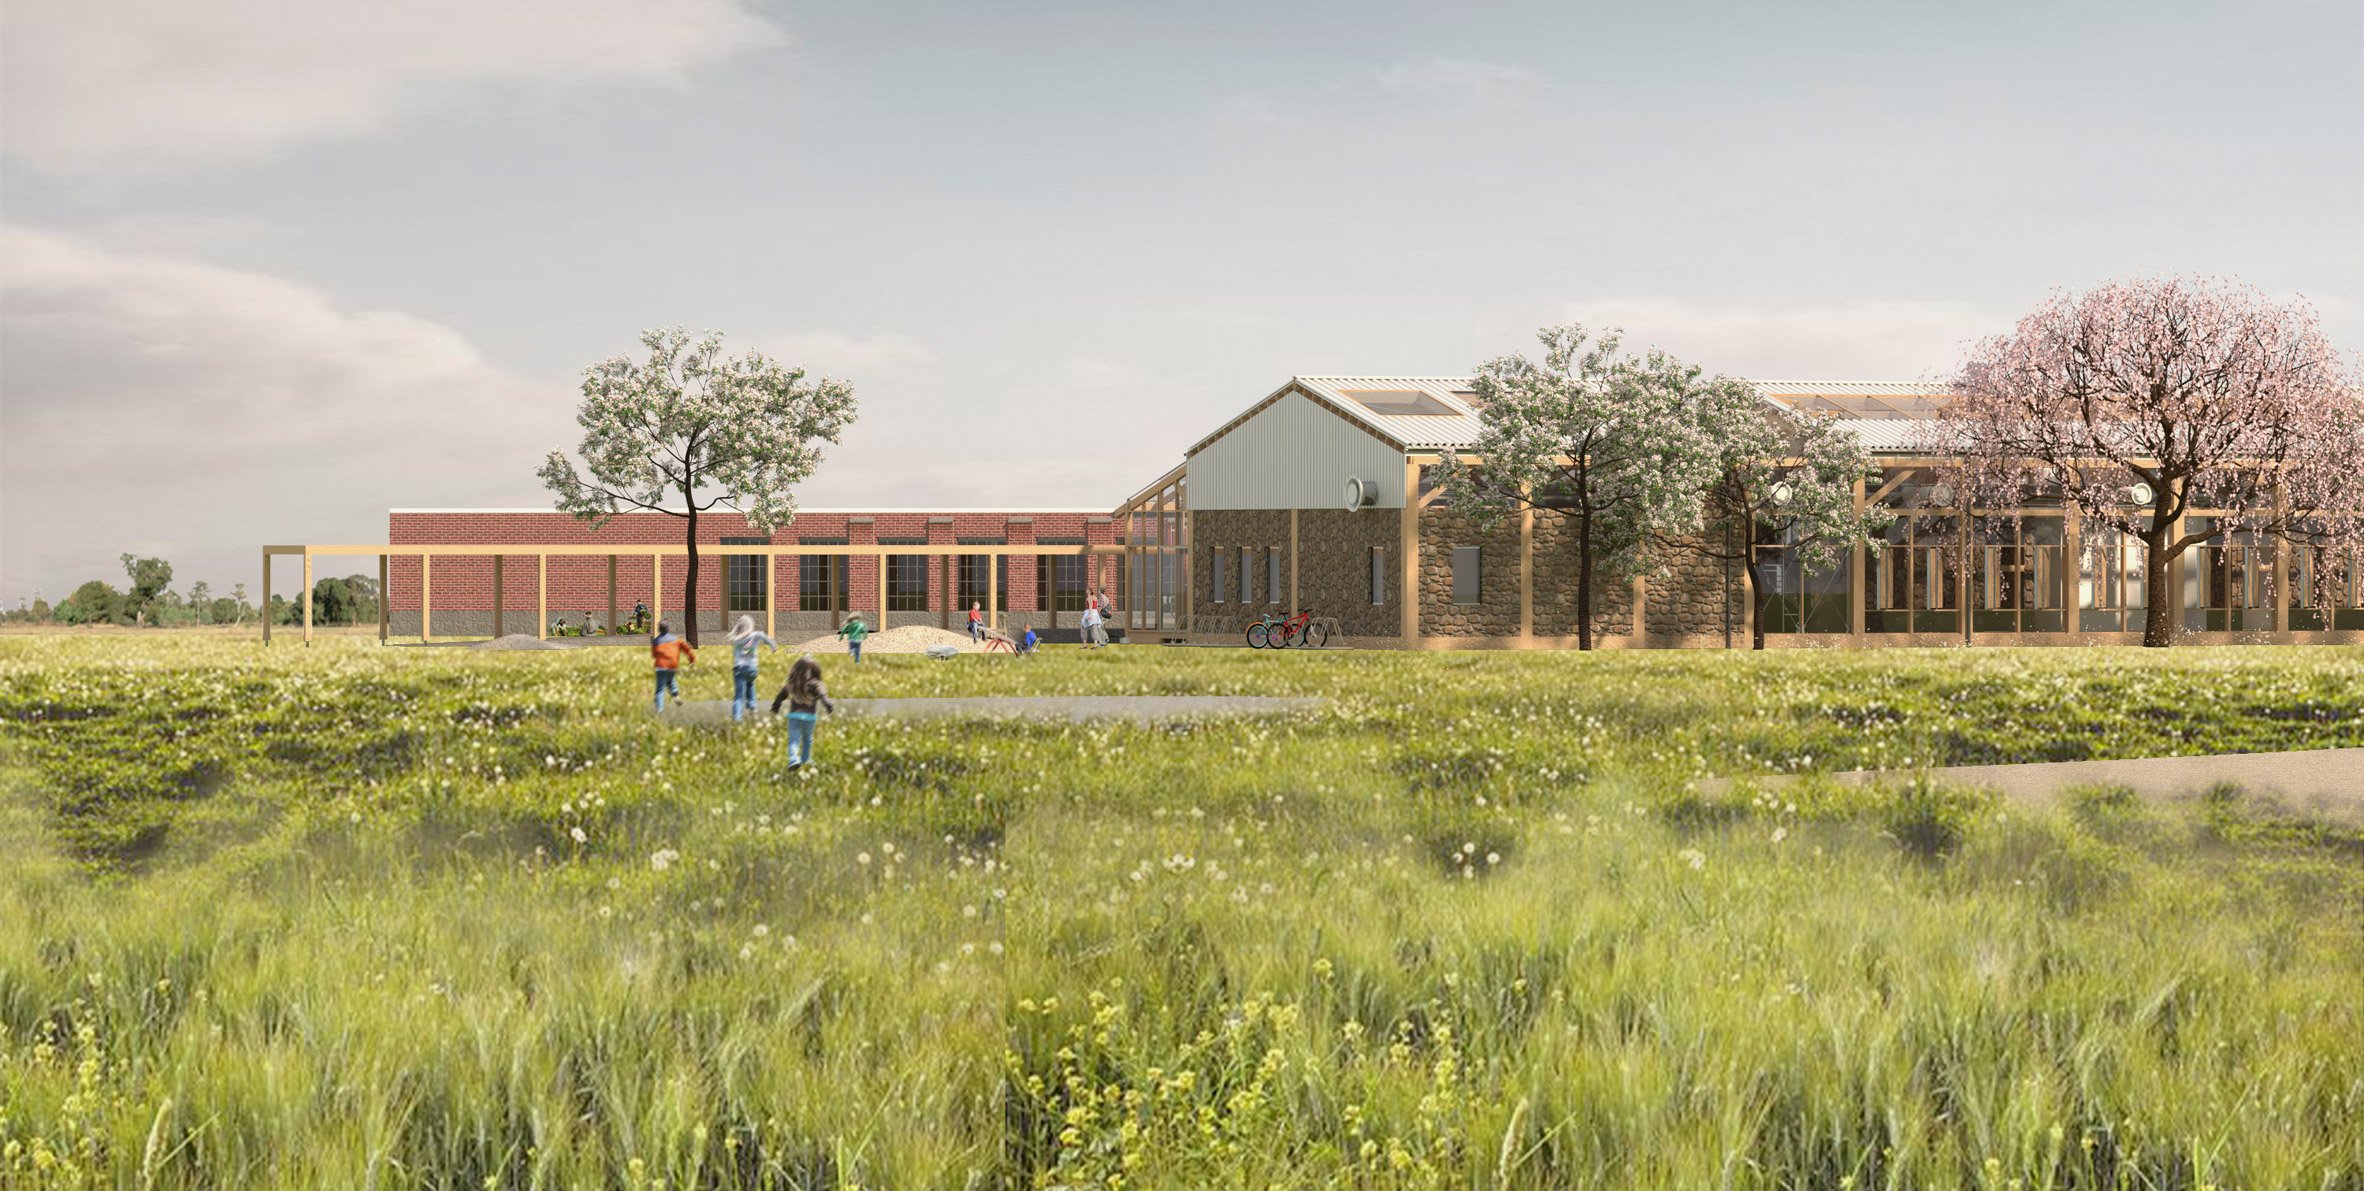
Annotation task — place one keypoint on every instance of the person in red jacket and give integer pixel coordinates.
(671, 653)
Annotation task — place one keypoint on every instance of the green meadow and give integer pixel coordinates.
(353, 916)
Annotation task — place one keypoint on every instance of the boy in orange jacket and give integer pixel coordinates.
(671, 653)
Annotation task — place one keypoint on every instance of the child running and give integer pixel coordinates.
(806, 698)
(853, 632)
(745, 637)
(671, 653)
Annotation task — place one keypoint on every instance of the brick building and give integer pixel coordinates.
(1322, 498)
(803, 593)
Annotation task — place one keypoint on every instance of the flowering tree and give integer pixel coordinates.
(1781, 478)
(2143, 400)
(1608, 441)
(691, 424)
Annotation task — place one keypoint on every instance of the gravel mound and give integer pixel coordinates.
(910, 638)
(517, 641)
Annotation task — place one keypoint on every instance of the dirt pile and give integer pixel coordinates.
(910, 638)
(517, 641)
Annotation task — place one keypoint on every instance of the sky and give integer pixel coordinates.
(271, 267)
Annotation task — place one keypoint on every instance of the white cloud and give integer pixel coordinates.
(1850, 341)
(100, 86)
(170, 407)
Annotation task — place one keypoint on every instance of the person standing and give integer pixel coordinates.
(744, 638)
(853, 632)
(976, 621)
(806, 699)
(670, 653)
(1089, 626)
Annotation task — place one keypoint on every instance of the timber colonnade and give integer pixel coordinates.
(541, 554)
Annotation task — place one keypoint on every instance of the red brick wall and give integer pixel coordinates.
(578, 583)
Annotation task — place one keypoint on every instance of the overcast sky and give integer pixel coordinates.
(272, 266)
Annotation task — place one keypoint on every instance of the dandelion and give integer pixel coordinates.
(578, 835)
(1780, 834)
(1693, 857)
(663, 859)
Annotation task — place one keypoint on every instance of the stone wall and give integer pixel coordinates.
(1497, 612)
(1556, 568)
(1689, 600)
(1333, 567)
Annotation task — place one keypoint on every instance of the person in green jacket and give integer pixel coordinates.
(853, 632)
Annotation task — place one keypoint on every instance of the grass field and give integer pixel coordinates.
(354, 916)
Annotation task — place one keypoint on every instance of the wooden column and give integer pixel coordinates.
(993, 586)
(385, 599)
(307, 596)
(771, 598)
(541, 595)
(266, 595)
(881, 626)
(656, 589)
(1858, 558)
(1962, 581)
(611, 593)
(1641, 604)
(1292, 562)
(1526, 575)
(426, 597)
(500, 597)
(2281, 569)
(2072, 558)
(1408, 555)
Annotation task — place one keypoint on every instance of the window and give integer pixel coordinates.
(1218, 556)
(1378, 575)
(1247, 577)
(821, 583)
(973, 582)
(1272, 569)
(907, 583)
(746, 582)
(1059, 583)
(1465, 574)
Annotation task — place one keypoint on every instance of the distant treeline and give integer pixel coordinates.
(150, 601)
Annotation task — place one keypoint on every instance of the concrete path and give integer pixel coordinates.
(1140, 709)
(2328, 782)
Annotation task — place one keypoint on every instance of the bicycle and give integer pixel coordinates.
(1281, 632)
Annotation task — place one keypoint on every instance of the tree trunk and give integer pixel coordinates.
(2158, 614)
(1748, 593)
(1584, 585)
(689, 582)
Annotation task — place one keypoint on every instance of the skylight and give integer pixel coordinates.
(1398, 402)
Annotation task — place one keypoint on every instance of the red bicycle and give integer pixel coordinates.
(1281, 632)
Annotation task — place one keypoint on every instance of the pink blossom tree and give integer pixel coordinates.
(2143, 400)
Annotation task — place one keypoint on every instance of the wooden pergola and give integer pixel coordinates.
(386, 552)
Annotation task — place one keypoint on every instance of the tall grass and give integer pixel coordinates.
(408, 918)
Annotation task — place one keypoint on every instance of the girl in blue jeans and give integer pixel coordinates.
(806, 698)
(744, 639)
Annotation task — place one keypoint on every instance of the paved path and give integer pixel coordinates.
(1141, 709)
(2323, 781)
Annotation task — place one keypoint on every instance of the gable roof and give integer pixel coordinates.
(1868, 408)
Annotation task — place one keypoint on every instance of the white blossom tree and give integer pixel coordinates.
(2144, 400)
(1781, 478)
(1608, 441)
(690, 425)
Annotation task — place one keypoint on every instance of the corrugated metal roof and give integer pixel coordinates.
(1887, 416)
(1413, 432)
(1852, 388)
